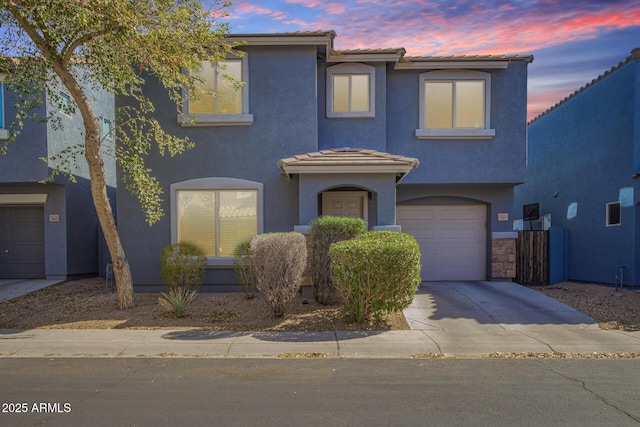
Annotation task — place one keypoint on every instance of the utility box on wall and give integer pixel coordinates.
(558, 255)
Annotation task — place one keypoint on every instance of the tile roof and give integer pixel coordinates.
(317, 33)
(348, 160)
(464, 58)
(392, 51)
(635, 54)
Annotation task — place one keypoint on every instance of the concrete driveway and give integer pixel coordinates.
(472, 306)
(13, 288)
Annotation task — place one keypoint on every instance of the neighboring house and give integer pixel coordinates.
(583, 171)
(49, 230)
(432, 146)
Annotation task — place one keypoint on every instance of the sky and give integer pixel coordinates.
(572, 41)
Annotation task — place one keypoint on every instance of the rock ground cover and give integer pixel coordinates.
(84, 304)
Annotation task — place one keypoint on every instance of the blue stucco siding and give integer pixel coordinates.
(582, 155)
(22, 162)
(70, 222)
(282, 100)
(497, 160)
(367, 133)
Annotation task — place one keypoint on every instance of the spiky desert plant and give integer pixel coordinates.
(176, 300)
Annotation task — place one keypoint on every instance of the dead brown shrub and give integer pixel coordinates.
(278, 260)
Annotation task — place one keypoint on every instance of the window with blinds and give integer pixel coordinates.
(454, 104)
(219, 91)
(1, 105)
(216, 220)
(350, 91)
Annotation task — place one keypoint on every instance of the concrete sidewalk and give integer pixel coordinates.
(392, 344)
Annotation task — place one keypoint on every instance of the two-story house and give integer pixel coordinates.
(49, 230)
(583, 170)
(432, 146)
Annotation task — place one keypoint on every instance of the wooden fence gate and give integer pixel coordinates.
(532, 258)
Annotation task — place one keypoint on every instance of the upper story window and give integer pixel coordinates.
(350, 91)
(613, 214)
(223, 95)
(65, 103)
(455, 104)
(4, 133)
(1, 104)
(107, 128)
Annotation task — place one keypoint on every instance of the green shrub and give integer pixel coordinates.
(182, 265)
(326, 230)
(244, 271)
(377, 272)
(176, 300)
(278, 261)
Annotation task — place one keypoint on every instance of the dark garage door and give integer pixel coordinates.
(21, 242)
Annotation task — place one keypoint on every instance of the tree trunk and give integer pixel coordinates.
(92, 142)
(121, 270)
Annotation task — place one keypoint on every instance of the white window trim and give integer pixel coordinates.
(351, 69)
(4, 131)
(69, 113)
(456, 133)
(212, 184)
(607, 223)
(242, 119)
(108, 135)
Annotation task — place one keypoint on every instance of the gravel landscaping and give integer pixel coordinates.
(611, 308)
(83, 304)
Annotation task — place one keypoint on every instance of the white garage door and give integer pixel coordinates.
(452, 239)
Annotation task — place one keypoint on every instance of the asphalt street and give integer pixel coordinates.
(243, 392)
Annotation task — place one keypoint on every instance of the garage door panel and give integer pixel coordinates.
(452, 240)
(27, 251)
(22, 232)
(415, 213)
(457, 214)
(420, 234)
(22, 242)
(450, 233)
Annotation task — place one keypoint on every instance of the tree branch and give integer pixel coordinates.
(68, 49)
(42, 44)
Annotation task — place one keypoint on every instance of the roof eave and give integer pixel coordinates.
(449, 65)
(349, 169)
(324, 38)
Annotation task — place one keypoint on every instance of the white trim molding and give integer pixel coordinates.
(23, 199)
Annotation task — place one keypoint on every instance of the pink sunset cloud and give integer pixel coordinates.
(454, 27)
(335, 8)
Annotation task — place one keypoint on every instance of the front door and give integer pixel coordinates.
(345, 203)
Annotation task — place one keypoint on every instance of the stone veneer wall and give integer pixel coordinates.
(503, 260)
